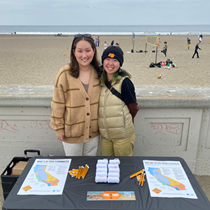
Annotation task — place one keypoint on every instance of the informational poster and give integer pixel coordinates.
(46, 177)
(168, 179)
(110, 195)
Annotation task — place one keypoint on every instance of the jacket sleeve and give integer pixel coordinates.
(58, 108)
(133, 108)
(129, 96)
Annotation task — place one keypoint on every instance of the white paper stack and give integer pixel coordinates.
(114, 171)
(108, 172)
(101, 171)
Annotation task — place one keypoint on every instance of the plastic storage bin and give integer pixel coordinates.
(7, 180)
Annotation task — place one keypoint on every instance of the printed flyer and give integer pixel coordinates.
(168, 179)
(46, 177)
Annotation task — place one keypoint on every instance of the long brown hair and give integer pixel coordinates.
(74, 66)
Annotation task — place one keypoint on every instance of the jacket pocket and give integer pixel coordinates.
(74, 130)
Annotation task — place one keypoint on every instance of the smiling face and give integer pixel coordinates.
(111, 65)
(84, 53)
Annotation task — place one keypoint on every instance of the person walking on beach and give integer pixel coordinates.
(105, 45)
(159, 41)
(164, 51)
(118, 45)
(75, 100)
(98, 41)
(188, 43)
(196, 50)
(112, 43)
(116, 111)
(200, 38)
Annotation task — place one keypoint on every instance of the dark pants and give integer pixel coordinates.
(196, 52)
(164, 51)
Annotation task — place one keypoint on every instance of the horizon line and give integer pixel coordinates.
(110, 25)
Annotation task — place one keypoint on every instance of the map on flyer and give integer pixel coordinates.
(168, 179)
(46, 177)
(43, 176)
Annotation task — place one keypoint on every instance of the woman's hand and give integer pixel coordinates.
(61, 138)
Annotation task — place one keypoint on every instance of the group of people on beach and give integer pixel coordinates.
(97, 41)
(164, 51)
(196, 46)
(112, 43)
(92, 99)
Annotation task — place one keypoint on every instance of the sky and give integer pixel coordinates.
(104, 12)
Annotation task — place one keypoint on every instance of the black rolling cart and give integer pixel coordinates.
(7, 179)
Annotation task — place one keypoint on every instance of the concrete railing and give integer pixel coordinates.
(172, 121)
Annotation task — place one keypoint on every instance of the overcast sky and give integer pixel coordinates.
(104, 12)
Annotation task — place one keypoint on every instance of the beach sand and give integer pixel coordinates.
(35, 60)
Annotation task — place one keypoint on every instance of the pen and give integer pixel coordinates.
(142, 180)
(137, 173)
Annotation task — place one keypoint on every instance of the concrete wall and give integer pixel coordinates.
(171, 122)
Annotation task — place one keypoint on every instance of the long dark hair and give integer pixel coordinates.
(74, 66)
(116, 77)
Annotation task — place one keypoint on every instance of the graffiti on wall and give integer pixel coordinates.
(14, 128)
(163, 128)
(5, 126)
(41, 125)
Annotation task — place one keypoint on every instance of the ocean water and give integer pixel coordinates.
(107, 30)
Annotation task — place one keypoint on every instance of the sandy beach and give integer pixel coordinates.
(35, 60)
